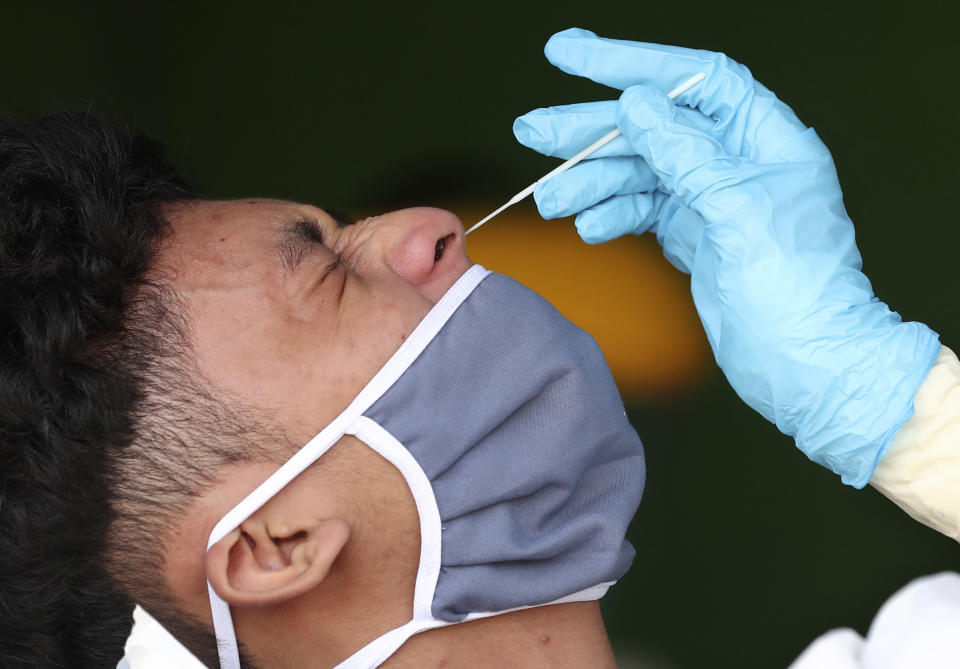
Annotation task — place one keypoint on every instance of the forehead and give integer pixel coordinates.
(214, 229)
(195, 220)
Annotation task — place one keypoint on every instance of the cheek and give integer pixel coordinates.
(386, 323)
(265, 358)
(305, 372)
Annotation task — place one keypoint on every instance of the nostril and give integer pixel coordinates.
(441, 245)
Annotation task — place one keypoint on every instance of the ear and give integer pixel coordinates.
(253, 566)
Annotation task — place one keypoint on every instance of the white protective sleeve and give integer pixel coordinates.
(921, 470)
(914, 629)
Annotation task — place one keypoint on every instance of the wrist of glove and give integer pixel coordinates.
(744, 198)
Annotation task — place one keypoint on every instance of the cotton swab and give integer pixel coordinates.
(606, 139)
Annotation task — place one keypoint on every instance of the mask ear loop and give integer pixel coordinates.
(398, 363)
(378, 650)
(227, 647)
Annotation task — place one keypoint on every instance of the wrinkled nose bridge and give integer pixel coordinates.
(355, 242)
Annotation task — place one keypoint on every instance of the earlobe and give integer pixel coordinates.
(253, 566)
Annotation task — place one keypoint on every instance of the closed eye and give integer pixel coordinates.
(298, 239)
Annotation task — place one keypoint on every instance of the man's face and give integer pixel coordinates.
(292, 313)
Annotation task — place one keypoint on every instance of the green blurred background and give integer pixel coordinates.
(746, 551)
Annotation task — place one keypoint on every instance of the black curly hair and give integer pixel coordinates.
(105, 429)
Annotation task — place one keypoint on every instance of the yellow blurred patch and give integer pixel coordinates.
(636, 305)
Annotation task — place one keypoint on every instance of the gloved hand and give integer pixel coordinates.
(746, 199)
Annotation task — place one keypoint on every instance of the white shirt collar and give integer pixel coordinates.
(151, 646)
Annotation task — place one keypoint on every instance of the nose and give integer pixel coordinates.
(424, 246)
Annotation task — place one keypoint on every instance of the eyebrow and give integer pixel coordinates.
(296, 240)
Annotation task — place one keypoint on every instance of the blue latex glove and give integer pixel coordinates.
(746, 199)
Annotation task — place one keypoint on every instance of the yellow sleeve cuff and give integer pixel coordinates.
(920, 472)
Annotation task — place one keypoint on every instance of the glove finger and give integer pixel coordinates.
(619, 215)
(564, 130)
(593, 181)
(729, 93)
(689, 163)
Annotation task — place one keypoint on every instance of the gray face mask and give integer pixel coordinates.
(505, 422)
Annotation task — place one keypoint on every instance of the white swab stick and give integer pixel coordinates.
(603, 141)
